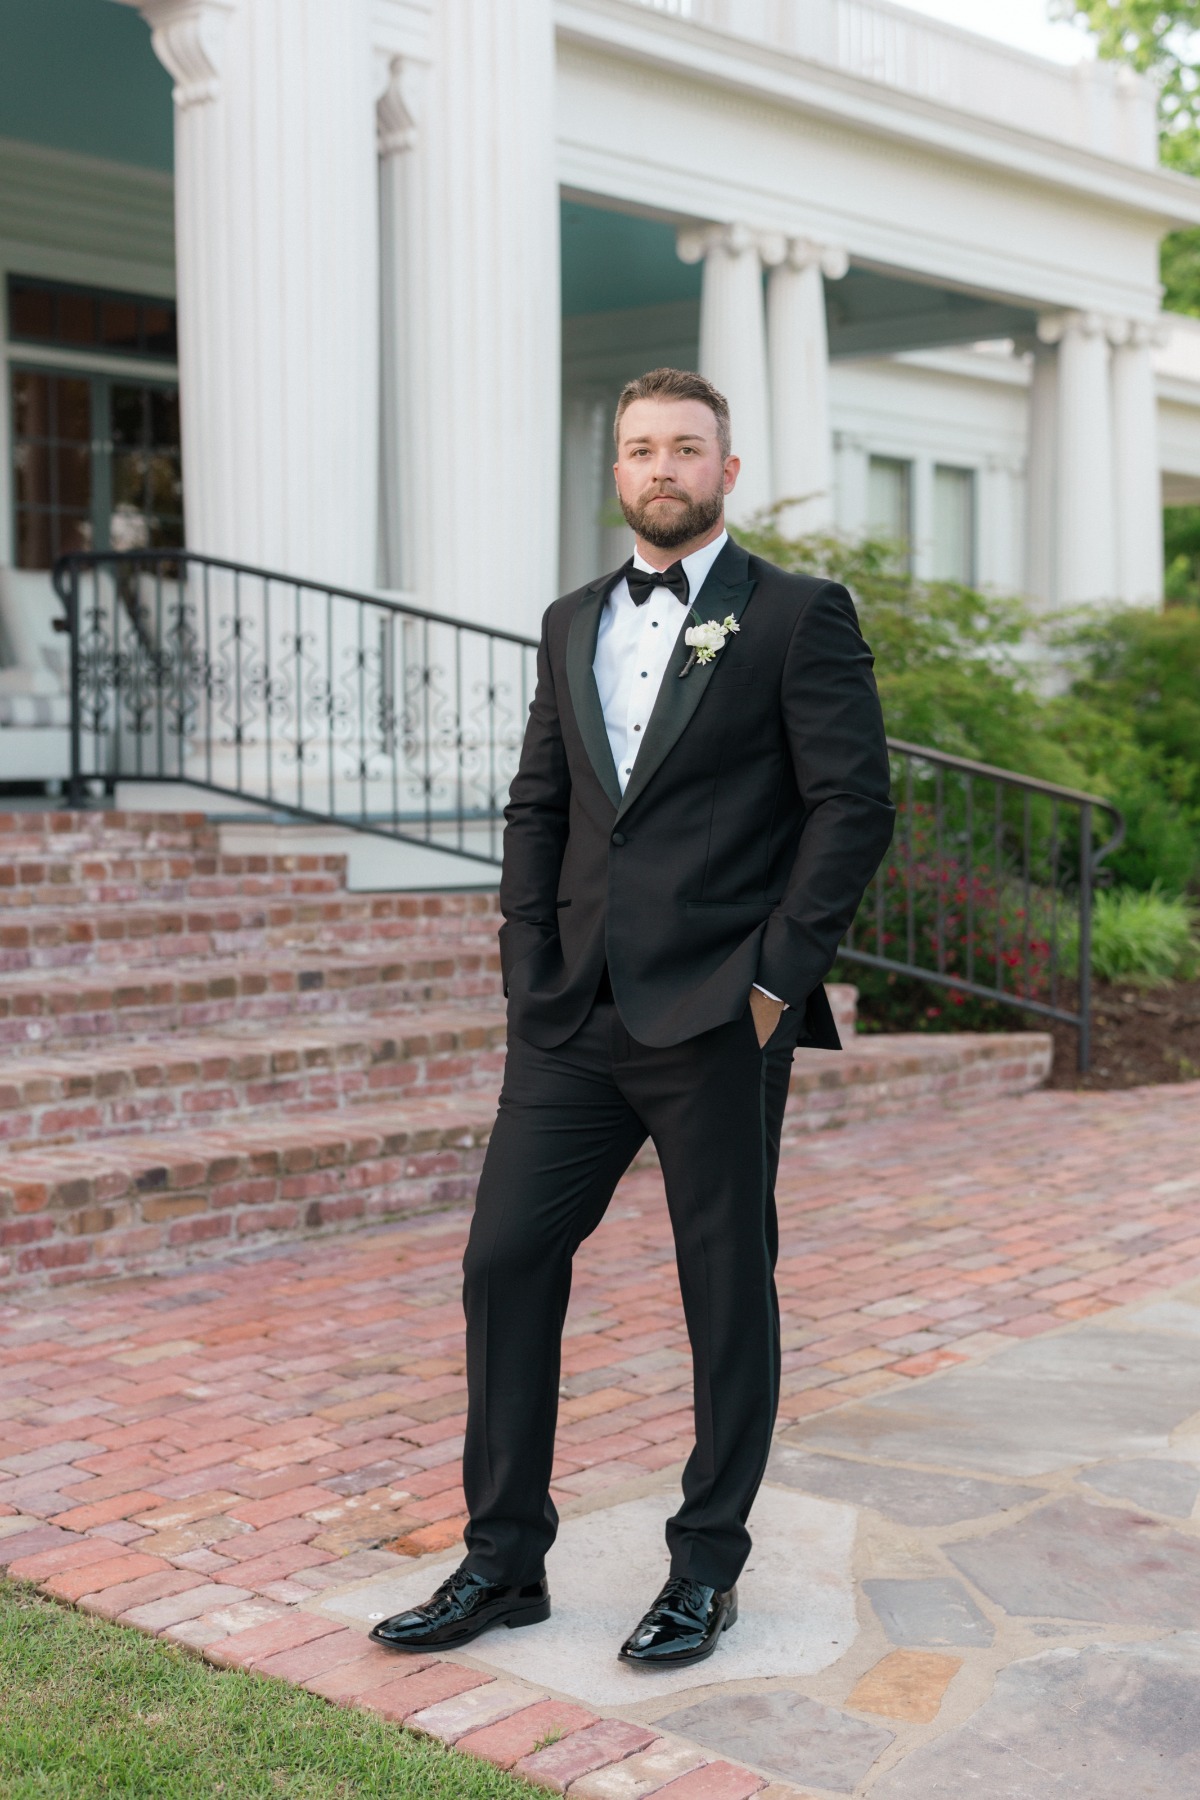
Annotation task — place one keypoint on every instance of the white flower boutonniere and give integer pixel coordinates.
(704, 640)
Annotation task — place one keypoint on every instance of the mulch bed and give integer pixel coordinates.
(1139, 1036)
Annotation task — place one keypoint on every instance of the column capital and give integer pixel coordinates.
(694, 242)
(398, 107)
(188, 36)
(806, 253)
(1052, 328)
(1137, 334)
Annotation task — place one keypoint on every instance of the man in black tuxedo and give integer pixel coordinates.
(701, 801)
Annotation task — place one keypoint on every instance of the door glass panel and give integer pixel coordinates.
(110, 482)
(52, 465)
(147, 491)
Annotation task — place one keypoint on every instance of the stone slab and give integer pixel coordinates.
(796, 1601)
(1108, 1722)
(932, 1613)
(787, 1734)
(1047, 1404)
(909, 1496)
(906, 1684)
(1163, 1487)
(1075, 1559)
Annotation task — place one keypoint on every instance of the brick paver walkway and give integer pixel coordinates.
(251, 1421)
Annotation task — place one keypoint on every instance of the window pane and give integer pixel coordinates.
(74, 469)
(164, 417)
(74, 532)
(76, 319)
(954, 525)
(119, 324)
(31, 404)
(129, 479)
(889, 484)
(73, 421)
(31, 472)
(53, 312)
(128, 415)
(166, 532)
(30, 311)
(159, 326)
(33, 540)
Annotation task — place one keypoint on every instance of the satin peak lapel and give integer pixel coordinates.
(727, 589)
(585, 695)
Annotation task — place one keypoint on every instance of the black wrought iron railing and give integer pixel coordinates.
(314, 700)
(369, 712)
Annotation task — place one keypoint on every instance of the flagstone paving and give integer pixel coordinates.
(976, 1565)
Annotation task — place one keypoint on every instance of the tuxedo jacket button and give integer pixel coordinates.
(618, 837)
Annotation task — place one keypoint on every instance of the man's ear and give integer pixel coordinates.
(733, 468)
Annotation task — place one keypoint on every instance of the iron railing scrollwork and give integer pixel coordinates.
(366, 711)
(355, 708)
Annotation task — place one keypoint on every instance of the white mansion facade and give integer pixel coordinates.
(416, 246)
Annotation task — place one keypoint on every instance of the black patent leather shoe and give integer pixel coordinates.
(683, 1626)
(462, 1607)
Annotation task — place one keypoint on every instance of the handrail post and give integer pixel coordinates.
(1085, 938)
(66, 585)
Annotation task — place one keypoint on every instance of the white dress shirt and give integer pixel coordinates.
(633, 649)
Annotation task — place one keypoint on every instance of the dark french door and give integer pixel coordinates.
(96, 464)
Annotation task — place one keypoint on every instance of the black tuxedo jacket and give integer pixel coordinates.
(756, 814)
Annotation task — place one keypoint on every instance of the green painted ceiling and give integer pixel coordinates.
(611, 260)
(80, 75)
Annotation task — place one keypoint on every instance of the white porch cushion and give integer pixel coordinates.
(28, 609)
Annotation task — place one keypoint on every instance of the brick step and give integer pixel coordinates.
(44, 888)
(92, 1005)
(76, 937)
(138, 1204)
(103, 877)
(64, 833)
(182, 1083)
(877, 1076)
(127, 1205)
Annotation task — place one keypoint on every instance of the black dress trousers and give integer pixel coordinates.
(571, 1120)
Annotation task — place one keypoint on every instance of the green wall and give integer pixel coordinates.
(80, 75)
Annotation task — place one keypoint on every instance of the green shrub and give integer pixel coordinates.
(961, 671)
(1145, 938)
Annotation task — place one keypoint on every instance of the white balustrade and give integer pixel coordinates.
(1094, 105)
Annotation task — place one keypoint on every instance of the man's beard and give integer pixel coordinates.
(666, 530)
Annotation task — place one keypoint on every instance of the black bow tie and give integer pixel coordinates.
(642, 582)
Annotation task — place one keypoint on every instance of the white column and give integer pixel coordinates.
(473, 284)
(404, 547)
(277, 249)
(1136, 466)
(1041, 508)
(1087, 566)
(586, 461)
(733, 351)
(798, 362)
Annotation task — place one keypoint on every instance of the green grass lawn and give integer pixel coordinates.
(90, 1709)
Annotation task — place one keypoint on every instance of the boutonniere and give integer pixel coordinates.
(704, 640)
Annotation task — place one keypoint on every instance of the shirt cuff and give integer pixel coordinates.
(770, 996)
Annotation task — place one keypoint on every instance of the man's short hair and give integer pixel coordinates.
(676, 384)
